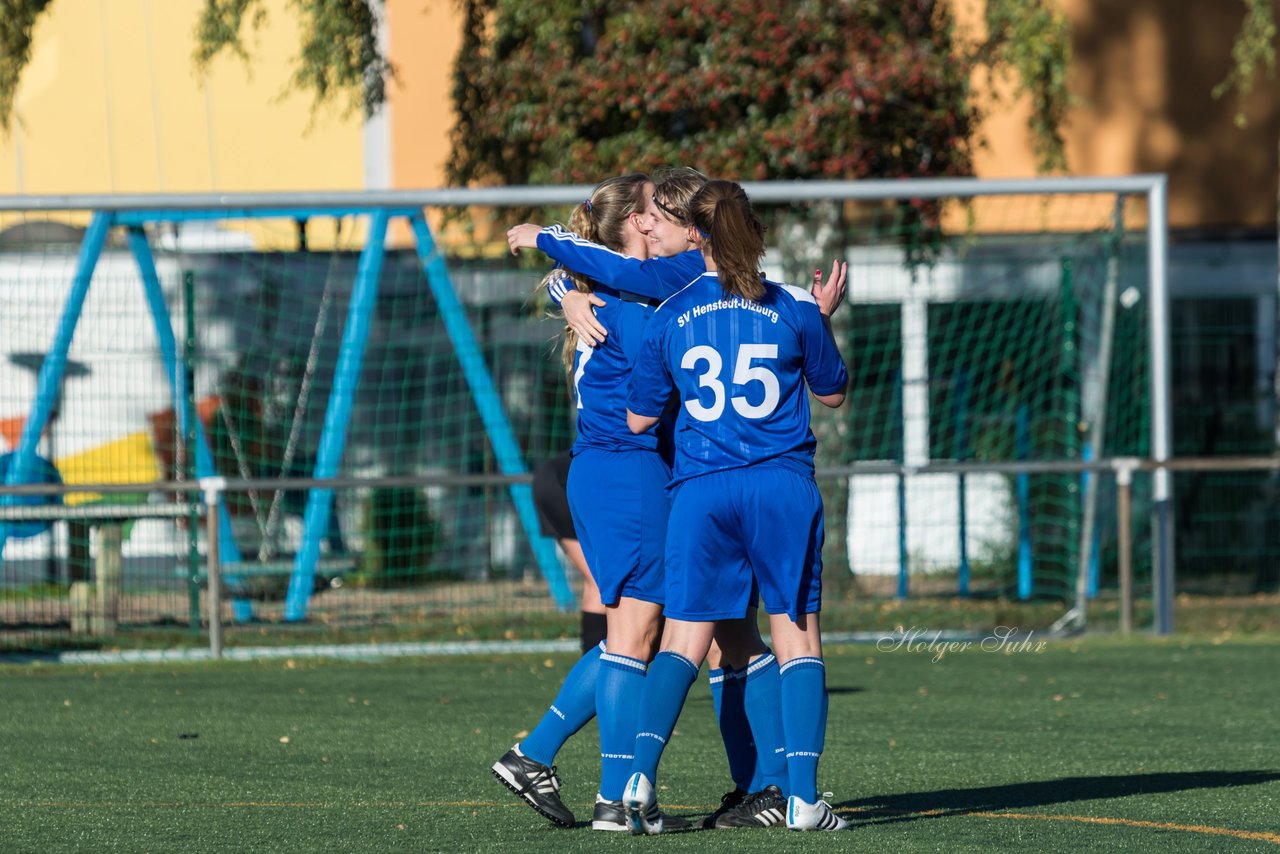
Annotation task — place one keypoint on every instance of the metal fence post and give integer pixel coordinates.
(186, 470)
(213, 487)
(1124, 539)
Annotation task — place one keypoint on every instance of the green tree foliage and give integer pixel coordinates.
(338, 56)
(1031, 40)
(17, 19)
(1253, 50)
(565, 92)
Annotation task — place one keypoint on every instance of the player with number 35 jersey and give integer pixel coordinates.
(744, 369)
(742, 354)
(744, 675)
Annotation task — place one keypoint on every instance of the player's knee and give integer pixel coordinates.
(738, 642)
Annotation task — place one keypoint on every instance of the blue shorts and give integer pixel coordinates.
(619, 504)
(727, 528)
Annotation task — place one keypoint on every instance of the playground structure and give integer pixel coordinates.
(134, 216)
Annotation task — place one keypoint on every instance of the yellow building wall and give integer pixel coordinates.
(112, 103)
(1143, 75)
(423, 37)
(424, 40)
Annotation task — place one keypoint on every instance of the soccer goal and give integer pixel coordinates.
(1009, 341)
(365, 382)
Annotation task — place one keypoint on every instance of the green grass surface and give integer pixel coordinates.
(1213, 616)
(1093, 745)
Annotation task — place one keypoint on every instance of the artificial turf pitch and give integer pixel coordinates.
(1091, 745)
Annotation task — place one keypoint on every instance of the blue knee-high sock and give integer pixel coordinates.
(762, 692)
(665, 688)
(804, 720)
(735, 730)
(573, 707)
(618, 692)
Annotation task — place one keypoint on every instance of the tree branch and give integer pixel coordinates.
(15, 50)
(338, 56)
(1032, 39)
(1254, 48)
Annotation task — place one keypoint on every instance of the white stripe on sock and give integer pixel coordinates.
(811, 660)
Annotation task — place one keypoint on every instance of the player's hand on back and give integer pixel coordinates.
(830, 294)
(580, 316)
(523, 236)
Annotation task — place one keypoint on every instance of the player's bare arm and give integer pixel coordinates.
(580, 316)
(832, 401)
(831, 294)
(523, 236)
(640, 423)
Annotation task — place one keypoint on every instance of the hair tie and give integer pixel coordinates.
(705, 235)
(587, 206)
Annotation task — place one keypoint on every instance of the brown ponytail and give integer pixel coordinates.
(733, 234)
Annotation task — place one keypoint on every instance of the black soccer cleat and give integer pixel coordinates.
(537, 784)
(609, 815)
(727, 802)
(765, 808)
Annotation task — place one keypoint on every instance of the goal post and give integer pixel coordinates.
(1152, 190)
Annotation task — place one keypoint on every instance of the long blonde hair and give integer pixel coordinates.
(733, 234)
(602, 219)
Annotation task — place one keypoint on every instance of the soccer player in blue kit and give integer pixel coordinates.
(745, 695)
(742, 353)
(616, 491)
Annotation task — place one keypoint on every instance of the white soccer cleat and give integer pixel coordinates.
(642, 806)
(802, 815)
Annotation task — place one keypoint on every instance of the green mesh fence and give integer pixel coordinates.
(986, 347)
(1226, 537)
(976, 332)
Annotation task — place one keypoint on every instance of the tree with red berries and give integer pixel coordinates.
(561, 91)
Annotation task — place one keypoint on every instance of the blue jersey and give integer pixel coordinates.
(600, 378)
(740, 368)
(615, 273)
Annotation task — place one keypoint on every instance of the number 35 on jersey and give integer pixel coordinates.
(750, 369)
